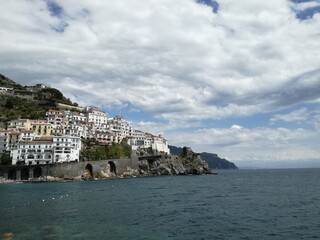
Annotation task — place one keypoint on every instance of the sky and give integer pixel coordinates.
(236, 78)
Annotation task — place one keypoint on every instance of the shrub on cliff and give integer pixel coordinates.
(96, 152)
(5, 159)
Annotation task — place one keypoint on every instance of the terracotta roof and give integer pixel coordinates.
(14, 133)
(26, 131)
(39, 121)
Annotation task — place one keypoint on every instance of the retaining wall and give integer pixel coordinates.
(69, 170)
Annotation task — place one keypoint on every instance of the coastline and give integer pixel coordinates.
(50, 179)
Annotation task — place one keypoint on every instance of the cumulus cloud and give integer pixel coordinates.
(182, 61)
(294, 116)
(173, 60)
(258, 144)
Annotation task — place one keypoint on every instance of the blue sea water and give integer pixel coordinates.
(243, 204)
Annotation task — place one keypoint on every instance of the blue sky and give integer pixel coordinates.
(236, 78)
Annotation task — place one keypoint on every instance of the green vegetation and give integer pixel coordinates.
(94, 152)
(26, 103)
(5, 159)
(12, 107)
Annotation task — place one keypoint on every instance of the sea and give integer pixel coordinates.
(235, 204)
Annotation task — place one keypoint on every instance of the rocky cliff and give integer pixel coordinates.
(187, 162)
(213, 160)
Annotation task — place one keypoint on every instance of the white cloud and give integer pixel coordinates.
(177, 57)
(294, 116)
(177, 61)
(241, 144)
(305, 5)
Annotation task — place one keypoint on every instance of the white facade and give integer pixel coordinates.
(75, 117)
(96, 116)
(66, 149)
(120, 128)
(56, 149)
(33, 152)
(160, 144)
(56, 117)
(5, 89)
(157, 143)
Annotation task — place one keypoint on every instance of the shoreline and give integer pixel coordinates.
(51, 179)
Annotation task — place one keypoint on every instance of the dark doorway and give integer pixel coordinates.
(12, 174)
(25, 173)
(37, 172)
(112, 167)
(88, 170)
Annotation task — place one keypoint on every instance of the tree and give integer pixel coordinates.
(5, 159)
(9, 103)
(126, 148)
(114, 151)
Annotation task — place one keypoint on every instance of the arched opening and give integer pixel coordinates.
(37, 172)
(12, 174)
(88, 171)
(112, 167)
(25, 174)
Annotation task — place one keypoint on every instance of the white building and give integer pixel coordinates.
(56, 117)
(96, 116)
(75, 117)
(33, 152)
(120, 128)
(19, 124)
(147, 140)
(5, 89)
(160, 144)
(56, 149)
(66, 149)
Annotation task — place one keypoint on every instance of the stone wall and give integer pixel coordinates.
(103, 168)
(90, 169)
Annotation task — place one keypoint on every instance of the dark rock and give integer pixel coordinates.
(213, 160)
(187, 163)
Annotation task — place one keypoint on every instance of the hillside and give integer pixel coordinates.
(27, 101)
(213, 160)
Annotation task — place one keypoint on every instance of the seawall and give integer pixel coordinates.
(89, 169)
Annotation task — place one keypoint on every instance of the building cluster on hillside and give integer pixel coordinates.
(29, 92)
(58, 138)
